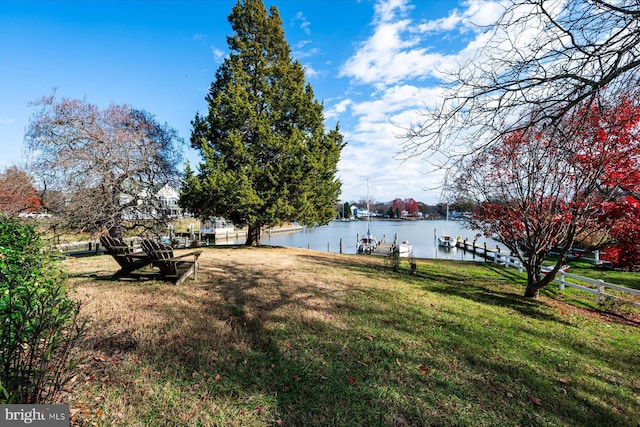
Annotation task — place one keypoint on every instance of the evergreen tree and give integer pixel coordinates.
(266, 155)
(346, 209)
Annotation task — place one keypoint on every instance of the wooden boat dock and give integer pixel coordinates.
(476, 249)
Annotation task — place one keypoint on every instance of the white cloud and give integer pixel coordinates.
(447, 23)
(482, 12)
(300, 53)
(400, 48)
(338, 109)
(217, 53)
(310, 72)
(387, 10)
(304, 23)
(7, 121)
(402, 66)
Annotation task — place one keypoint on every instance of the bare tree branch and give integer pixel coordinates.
(543, 58)
(107, 164)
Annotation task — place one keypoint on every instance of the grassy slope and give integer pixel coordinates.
(290, 337)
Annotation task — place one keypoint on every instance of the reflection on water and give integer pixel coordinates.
(423, 235)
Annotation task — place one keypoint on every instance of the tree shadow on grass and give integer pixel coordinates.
(451, 282)
(257, 347)
(267, 349)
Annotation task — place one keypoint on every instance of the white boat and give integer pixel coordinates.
(445, 240)
(406, 249)
(367, 244)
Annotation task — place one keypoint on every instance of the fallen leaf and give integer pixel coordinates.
(101, 358)
(217, 377)
(352, 380)
(423, 369)
(369, 337)
(535, 401)
(510, 395)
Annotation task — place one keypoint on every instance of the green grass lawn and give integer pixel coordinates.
(292, 337)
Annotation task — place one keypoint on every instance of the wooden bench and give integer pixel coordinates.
(174, 268)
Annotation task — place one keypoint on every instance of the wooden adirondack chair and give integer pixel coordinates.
(174, 268)
(128, 259)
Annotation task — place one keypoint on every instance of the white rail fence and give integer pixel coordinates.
(597, 287)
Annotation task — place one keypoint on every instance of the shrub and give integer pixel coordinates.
(38, 321)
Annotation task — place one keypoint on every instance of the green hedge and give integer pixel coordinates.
(39, 322)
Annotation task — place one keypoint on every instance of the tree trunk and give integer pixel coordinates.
(253, 235)
(536, 281)
(115, 231)
(532, 291)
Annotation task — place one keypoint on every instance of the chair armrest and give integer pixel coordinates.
(195, 254)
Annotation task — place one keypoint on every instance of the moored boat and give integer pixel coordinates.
(446, 241)
(406, 249)
(367, 244)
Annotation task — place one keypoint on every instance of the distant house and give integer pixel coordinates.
(160, 201)
(361, 213)
(169, 199)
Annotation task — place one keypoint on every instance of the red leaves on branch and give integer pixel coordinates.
(546, 186)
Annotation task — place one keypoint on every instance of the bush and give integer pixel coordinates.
(39, 323)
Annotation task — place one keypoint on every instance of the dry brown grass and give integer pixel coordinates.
(241, 295)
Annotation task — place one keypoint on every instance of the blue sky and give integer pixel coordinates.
(374, 64)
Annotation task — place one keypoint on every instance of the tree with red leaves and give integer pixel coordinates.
(17, 193)
(411, 206)
(622, 220)
(397, 206)
(542, 188)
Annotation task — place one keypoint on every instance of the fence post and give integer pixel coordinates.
(599, 295)
(341, 245)
(561, 284)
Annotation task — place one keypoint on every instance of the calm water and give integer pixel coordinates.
(421, 234)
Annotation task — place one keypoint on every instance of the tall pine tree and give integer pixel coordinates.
(267, 157)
